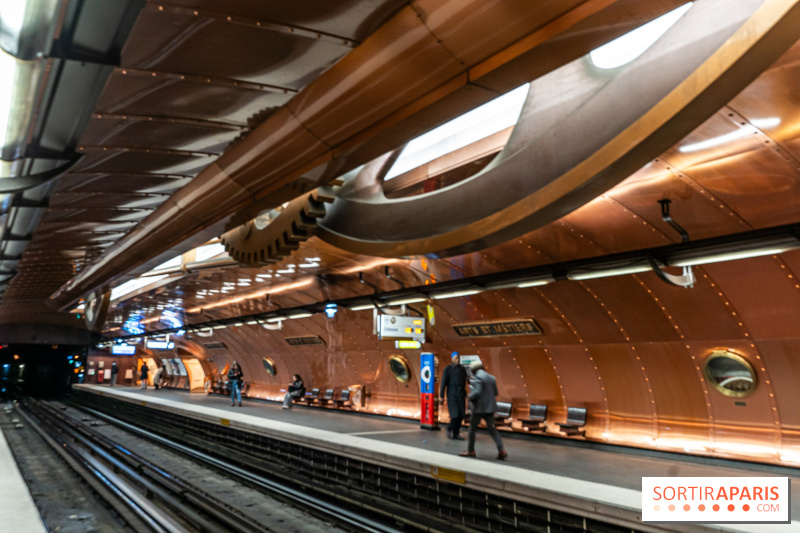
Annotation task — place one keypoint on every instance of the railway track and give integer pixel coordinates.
(148, 497)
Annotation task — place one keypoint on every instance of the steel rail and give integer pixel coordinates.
(130, 512)
(140, 480)
(299, 498)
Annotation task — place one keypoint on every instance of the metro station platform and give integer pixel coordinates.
(17, 510)
(596, 481)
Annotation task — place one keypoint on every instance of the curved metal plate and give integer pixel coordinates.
(583, 130)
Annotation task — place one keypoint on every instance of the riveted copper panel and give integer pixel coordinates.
(146, 132)
(142, 94)
(121, 183)
(179, 41)
(352, 19)
(781, 361)
(754, 303)
(631, 407)
(681, 413)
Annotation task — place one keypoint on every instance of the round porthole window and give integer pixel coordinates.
(730, 373)
(269, 366)
(399, 367)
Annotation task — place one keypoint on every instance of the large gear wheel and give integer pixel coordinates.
(273, 235)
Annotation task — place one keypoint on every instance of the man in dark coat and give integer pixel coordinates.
(114, 372)
(482, 397)
(454, 381)
(143, 373)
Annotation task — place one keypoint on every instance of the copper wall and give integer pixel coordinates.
(630, 349)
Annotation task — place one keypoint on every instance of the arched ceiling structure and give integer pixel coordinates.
(213, 112)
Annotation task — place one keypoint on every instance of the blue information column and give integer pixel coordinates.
(429, 419)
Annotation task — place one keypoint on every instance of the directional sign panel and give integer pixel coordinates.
(401, 327)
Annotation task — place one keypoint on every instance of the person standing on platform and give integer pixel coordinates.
(158, 377)
(143, 373)
(454, 384)
(114, 372)
(297, 389)
(482, 394)
(235, 377)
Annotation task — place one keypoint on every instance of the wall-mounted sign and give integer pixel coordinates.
(159, 345)
(467, 360)
(401, 327)
(427, 387)
(498, 328)
(407, 345)
(304, 340)
(123, 349)
(216, 345)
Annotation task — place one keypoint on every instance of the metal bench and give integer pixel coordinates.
(576, 420)
(327, 397)
(344, 398)
(502, 415)
(536, 417)
(310, 397)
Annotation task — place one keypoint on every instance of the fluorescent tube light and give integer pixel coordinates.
(300, 315)
(607, 273)
(533, 283)
(361, 307)
(728, 256)
(409, 300)
(456, 294)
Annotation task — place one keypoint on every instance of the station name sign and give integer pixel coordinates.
(305, 340)
(498, 328)
(216, 346)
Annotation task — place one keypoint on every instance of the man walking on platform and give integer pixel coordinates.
(483, 390)
(454, 382)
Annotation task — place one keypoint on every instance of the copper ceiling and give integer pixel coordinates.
(222, 109)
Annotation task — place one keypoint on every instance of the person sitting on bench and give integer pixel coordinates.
(296, 390)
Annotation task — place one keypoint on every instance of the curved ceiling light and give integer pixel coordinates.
(483, 121)
(741, 133)
(625, 49)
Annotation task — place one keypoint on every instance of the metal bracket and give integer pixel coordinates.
(365, 282)
(389, 276)
(276, 304)
(685, 280)
(274, 326)
(666, 217)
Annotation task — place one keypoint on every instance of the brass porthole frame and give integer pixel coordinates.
(399, 359)
(717, 354)
(269, 366)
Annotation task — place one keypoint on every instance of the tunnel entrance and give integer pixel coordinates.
(40, 370)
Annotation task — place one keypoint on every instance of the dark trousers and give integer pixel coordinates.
(474, 421)
(455, 425)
